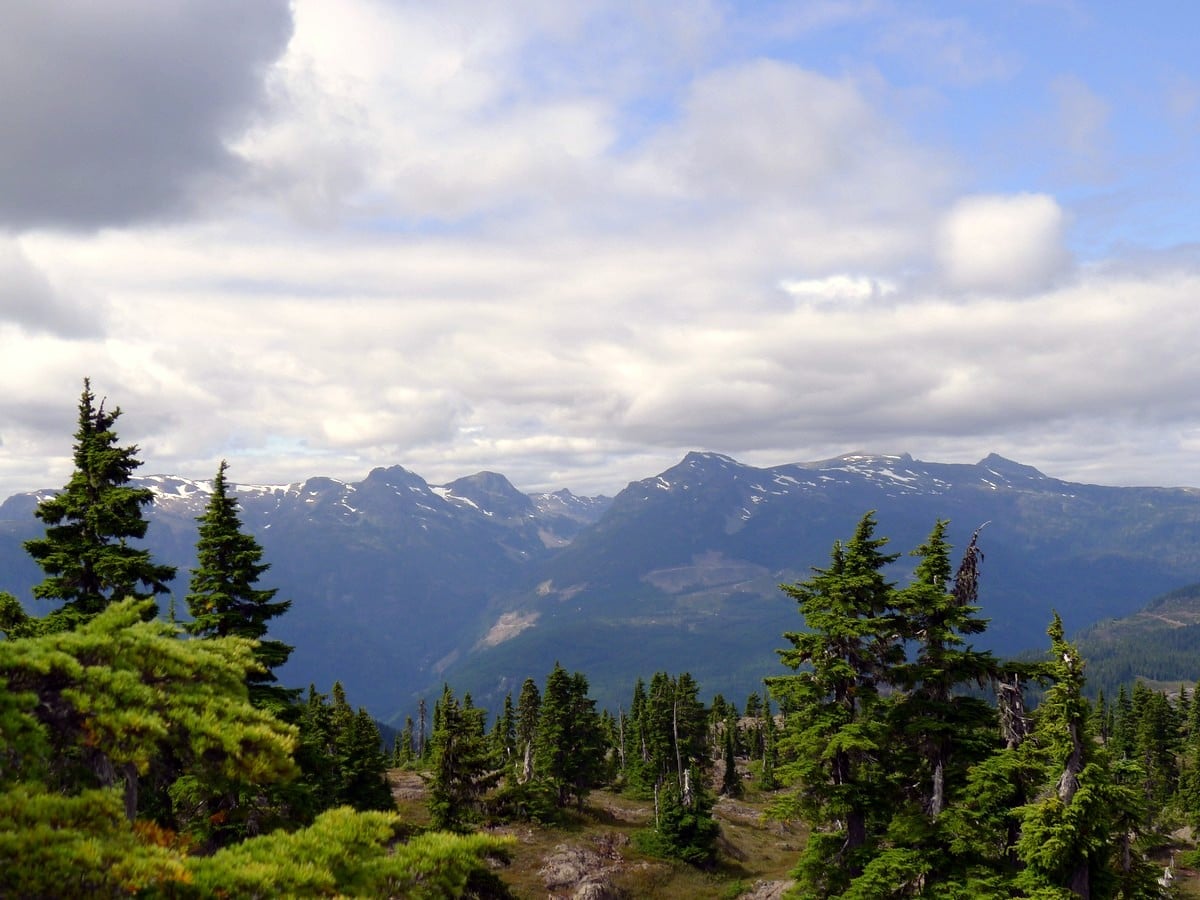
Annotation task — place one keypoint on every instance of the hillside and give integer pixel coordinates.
(1159, 643)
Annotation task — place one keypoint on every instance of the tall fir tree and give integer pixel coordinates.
(569, 747)
(834, 736)
(86, 554)
(529, 710)
(1067, 832)
(224, 599)
(945, 729)
(463, 765)
(935, 729)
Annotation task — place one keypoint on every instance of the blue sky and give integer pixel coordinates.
(570, 242)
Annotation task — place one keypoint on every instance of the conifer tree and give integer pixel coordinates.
(1070, 832)
(224, 599)
(403, 752)
(462, 764)
(769, 781)
(945, 730)
(529, 710)
(97, 705)
(505, 742)
(834, 732)
(636, 754)
(674, 732)
(569, 748)
(86, 554)
(935, 730)
(731, 782)
(315, 754)
(364, 765)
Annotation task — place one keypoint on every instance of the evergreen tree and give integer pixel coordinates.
(340, 755)
(364, 766)
(769, 781)
(94, 707)
(934, 731)
(404, 751)
(529, 711)
(462, 764)
(569, 748)
(315, 755)
(505, 742)
(946, 731)
(224, 599)
(835, 735)
(86, 554)
(422, 744)
(674, 733)
(1188, 798)
(731, 782)
(1069, 833)
(636, 752)
(353, 854)
(753, 706)
(1121, 740)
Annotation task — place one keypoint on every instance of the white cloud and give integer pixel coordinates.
(569, 242)
(838, 288)
(1002, 243)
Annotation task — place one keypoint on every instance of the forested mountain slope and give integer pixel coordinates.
(397, 584)
(1159, 643)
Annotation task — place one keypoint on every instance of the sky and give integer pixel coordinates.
(569, 242)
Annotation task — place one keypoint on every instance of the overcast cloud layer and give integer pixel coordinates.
(569, 242)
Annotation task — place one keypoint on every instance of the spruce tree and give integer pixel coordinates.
(86, 554)
(569, 749)
(945, 730)
(731, 782)
(935, 731)
(770, 755)
(835, 734)
(403, 751)
(224, 599)
(462, 764)
(1078, 835)
(529, 710)
(96, 706)
(674, 732)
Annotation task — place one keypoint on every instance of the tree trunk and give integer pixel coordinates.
(131, 790)
(1068, 782)
(527, 764)
(675, 734)
(938, 802)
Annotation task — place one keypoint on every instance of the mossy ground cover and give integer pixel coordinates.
(750, 849)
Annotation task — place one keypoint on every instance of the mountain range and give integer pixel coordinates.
(397, 585)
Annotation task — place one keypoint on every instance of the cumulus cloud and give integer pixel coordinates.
(772, 131)
(118, 111)
(1009, 244)
(567, 242)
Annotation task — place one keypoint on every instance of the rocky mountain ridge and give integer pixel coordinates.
(397, 584)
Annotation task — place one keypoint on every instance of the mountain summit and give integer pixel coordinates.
(398, 584)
